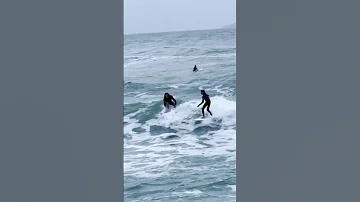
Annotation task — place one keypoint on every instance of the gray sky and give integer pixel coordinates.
(143, 16)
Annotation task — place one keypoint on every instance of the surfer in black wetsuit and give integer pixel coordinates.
(195, 69)
(205, 97)
(169, 100)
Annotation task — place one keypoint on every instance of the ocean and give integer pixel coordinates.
(169, 156)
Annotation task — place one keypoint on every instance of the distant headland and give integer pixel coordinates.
(231, 26)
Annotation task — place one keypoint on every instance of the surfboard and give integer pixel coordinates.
(200, 119)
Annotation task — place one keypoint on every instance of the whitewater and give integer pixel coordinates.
(169, 156)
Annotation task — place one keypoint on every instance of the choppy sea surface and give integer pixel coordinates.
(169, 156)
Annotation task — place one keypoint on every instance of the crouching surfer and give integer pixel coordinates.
(169, 100)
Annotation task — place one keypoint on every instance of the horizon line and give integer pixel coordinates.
(163, 32)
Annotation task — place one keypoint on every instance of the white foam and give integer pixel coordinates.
(233, 187)
(174, 86)
(194, 192)
(154, 160)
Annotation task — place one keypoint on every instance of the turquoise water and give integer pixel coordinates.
(169, 156)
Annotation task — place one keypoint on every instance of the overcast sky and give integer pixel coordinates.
(144, 16)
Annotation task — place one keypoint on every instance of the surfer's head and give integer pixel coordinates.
(202, 92)
(166, 95)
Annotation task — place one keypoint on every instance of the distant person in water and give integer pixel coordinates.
(195, 69)
(205, 97)
(169, 100)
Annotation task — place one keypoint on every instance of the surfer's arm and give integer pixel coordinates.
(164, 103)
(174, 100)
(201, 102)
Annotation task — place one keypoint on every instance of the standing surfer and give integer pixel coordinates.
(205, 97)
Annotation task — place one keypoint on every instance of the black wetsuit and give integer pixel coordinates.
(207, 100)
(195, 69)
(170, 100)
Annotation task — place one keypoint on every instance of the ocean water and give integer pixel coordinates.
(169, 156)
